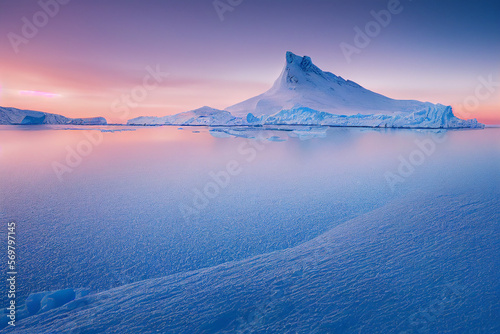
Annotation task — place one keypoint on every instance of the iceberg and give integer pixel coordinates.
(14, 116)
(201, 116)
(304, 94)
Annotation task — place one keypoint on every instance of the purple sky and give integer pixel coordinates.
(84, 58)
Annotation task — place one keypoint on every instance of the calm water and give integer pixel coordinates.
(154, 201)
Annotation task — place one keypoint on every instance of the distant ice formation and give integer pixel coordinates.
(305, 95)
(13, 116)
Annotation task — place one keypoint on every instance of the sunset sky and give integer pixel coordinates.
(87, 54)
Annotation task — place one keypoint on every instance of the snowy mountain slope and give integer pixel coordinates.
(202, 116)
(31, 117)
(303, 84)
(377, 273)
(304, 94)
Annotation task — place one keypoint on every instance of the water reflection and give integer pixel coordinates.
(116, 213)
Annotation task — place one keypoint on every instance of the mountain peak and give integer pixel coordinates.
(304, 63)
(291, 57)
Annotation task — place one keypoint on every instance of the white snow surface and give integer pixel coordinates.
(325, 285)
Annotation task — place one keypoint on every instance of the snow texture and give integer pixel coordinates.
(370, 274)
(41, 302)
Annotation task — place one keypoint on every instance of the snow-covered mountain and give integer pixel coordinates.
(202, 116)
(304, 94)
(14, 116)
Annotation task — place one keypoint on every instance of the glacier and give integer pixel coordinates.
(433, 116)
(303, 94)
(201, 116)
(14, 116)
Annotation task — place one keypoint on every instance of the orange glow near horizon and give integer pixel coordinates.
(93, 53)
(58, 91)
(91, 93)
